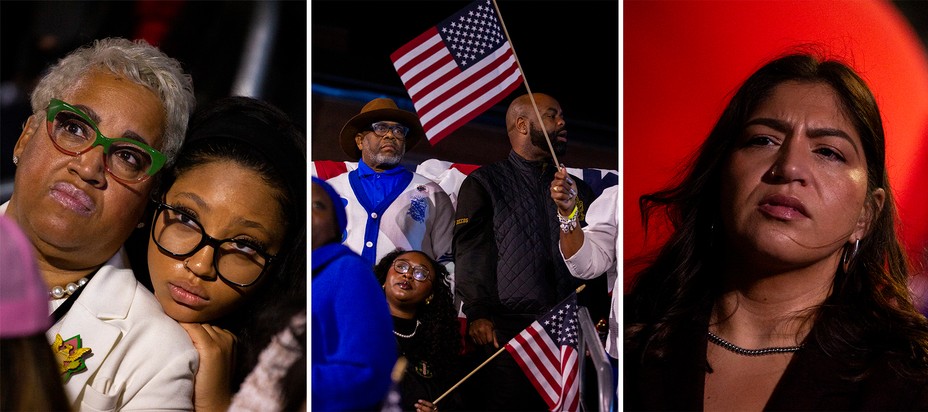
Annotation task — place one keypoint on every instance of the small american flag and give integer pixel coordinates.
(547, 352)
(457, 69)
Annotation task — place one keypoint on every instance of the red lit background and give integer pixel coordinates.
(683, 60)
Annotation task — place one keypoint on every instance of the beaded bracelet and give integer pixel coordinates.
(569, 223)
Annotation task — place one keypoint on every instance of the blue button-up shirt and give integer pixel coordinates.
(378, 185)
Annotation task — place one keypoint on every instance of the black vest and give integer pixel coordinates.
(531, 276)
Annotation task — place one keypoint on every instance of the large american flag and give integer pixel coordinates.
(457, 69)
(547, 352)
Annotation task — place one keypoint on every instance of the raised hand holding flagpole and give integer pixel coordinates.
(453, 72)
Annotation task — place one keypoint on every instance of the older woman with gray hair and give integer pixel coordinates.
(106, 119)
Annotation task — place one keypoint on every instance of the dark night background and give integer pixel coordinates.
(568, 49)
(208, 37)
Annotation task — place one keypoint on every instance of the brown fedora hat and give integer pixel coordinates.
(377, 110)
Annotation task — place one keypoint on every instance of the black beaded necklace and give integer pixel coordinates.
(750, 352)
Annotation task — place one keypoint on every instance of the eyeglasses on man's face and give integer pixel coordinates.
(74, 133)
(420, 273)
(381, 128)
(179, 234)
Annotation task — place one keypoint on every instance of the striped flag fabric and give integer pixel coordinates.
(547, 352)
(457, 69)
(450, 175)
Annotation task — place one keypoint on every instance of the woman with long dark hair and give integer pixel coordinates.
(783, 282)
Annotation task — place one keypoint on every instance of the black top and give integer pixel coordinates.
(813, 380)
(421, 381)
(507, 233)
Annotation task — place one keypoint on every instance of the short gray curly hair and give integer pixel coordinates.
(136, 60)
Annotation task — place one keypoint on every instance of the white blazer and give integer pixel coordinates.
(142, 359)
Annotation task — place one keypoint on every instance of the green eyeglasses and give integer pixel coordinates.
(74, 133)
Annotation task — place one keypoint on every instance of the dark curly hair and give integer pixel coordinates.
(441, 342)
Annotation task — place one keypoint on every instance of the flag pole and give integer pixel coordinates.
(469, 374)
(579, 289)
(525, 81)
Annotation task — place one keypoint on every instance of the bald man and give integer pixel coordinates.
(509, 269)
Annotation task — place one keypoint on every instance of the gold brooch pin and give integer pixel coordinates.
(70, 355)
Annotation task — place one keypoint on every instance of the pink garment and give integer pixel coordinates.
(23, 293)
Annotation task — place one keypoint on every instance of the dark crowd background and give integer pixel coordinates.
(568, 49)
(256, 48)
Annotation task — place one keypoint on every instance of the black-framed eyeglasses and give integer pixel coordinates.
(420, 273)
(74, 133)
(381, 128)
(236, 261)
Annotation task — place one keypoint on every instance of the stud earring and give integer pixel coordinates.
(140, 225)
(15, 160)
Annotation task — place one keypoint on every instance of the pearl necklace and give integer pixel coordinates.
(418, 322)
(750, 352)
(59, 292)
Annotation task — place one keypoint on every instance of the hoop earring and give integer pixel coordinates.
(847, 258)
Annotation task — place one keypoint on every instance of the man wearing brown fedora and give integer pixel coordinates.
(388, 206)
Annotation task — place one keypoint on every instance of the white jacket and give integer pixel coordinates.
(421, 218)
(141, 359)
(599, 253)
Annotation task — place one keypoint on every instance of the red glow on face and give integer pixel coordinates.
(683, 60)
